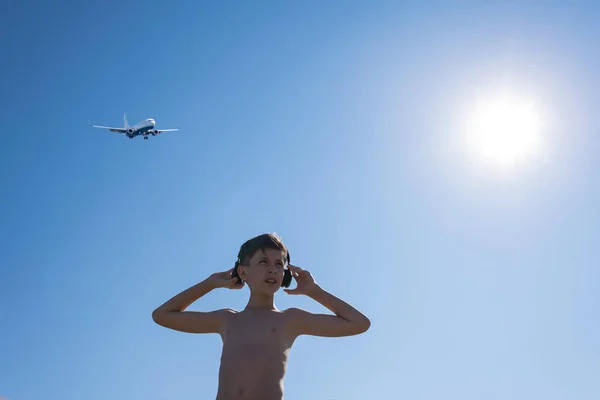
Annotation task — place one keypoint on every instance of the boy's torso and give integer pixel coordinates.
(255, 352)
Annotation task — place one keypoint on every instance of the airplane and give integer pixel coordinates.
(143, 128)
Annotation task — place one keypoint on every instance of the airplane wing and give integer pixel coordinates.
(119, 130)
(159, 131)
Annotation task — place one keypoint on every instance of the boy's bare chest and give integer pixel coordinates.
(257, 332)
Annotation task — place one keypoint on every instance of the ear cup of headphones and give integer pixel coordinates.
(235, 274)
(287, 278)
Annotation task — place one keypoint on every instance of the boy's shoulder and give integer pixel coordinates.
(295, 312)
(292, 311)
(297, 317)
(289, 314)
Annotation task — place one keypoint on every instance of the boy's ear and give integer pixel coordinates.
(235, 274)
(241, 272)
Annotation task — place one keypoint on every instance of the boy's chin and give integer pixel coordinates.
(261, 287)
(270, 289)
(267, 289)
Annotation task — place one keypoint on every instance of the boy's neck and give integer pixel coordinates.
(261, 302)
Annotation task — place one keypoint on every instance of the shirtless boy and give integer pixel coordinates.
(257, 340)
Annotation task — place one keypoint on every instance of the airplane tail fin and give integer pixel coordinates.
(125, 121)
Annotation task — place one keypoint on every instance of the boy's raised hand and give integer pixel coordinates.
(224, 280)
(305, 283)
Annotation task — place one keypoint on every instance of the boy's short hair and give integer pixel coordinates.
(261, 242)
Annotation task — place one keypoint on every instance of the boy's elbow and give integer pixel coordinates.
(357, 326)
(363, 325)
(158, 316)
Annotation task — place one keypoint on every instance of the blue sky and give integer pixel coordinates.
(335, 125)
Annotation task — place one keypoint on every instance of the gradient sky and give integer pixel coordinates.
(335, 124)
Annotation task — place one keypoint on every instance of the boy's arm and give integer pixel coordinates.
(172, 313)
(347, 320)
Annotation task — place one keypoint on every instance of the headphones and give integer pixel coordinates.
(287, 274)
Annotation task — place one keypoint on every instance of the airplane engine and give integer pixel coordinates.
(130, 130)
(155, 132)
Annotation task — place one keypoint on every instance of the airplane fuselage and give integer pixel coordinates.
(144, 128)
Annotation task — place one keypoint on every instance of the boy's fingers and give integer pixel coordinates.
(235, 286)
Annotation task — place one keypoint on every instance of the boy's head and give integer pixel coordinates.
(262, 263)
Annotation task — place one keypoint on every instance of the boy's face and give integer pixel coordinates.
(264, 272)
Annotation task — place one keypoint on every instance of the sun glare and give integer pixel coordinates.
(505, 130)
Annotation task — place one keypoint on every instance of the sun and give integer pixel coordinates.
(505, 130)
